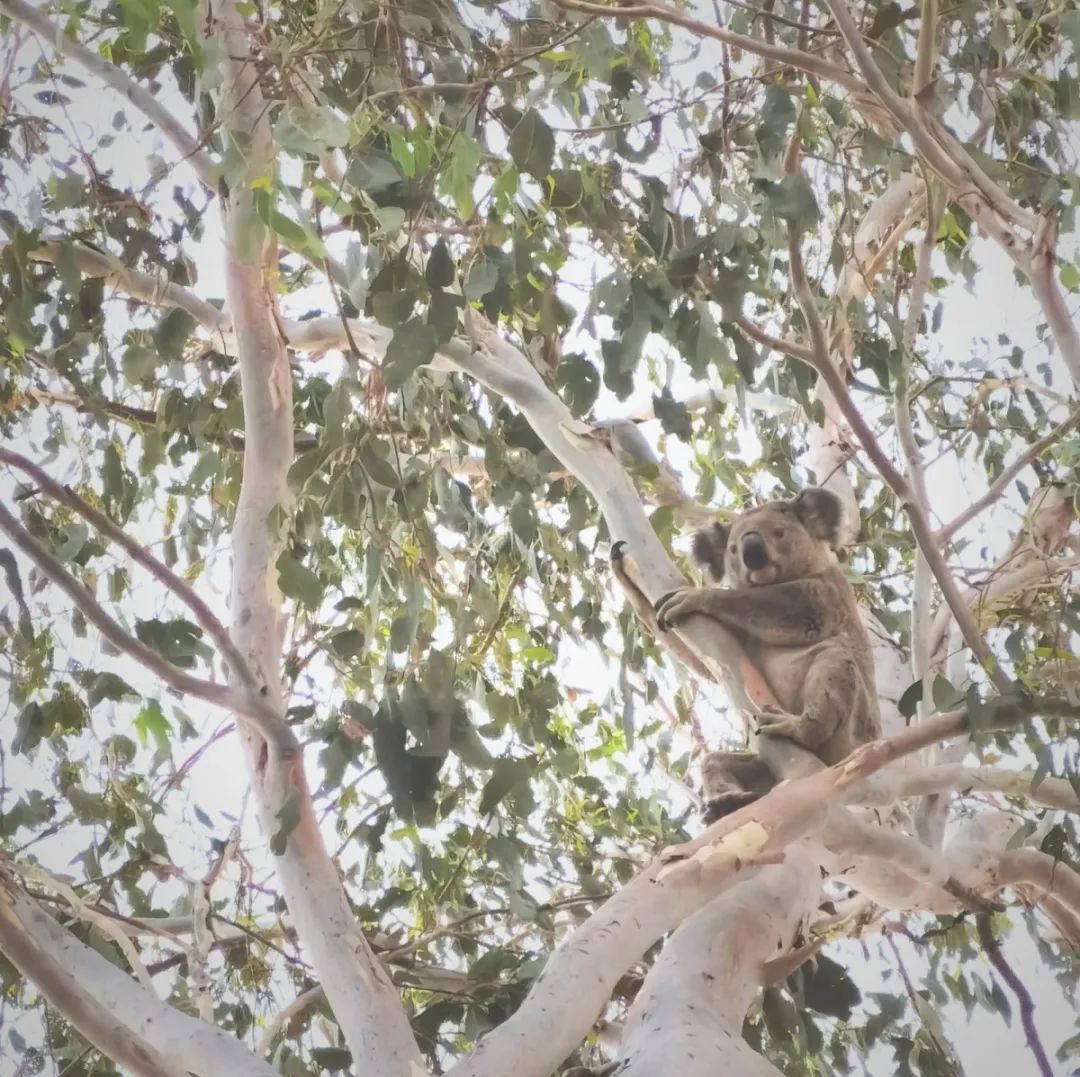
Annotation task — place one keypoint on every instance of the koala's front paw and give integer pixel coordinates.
(775, 723)
(674, 607)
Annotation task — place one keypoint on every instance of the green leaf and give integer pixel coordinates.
(30, 727)
(331, 1059)
(440, 272)
(908, 704)
(299, 582)
(828, 989)
(72, 540)
(288, 819)
(459, 176)
(673, 416)
(483, 276)
(523, 518)
(579, 382)
(373, 171)
(507, 775)
(1070, 29)
(412, 346)
(151, 722)
(374, 455)
(172, 332)
(532, 145)
(347, 643)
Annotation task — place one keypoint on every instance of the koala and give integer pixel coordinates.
(796, 617)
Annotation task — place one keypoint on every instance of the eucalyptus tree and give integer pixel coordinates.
(340, 342)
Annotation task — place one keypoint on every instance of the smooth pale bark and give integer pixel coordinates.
(122, 1019)
(577, 981)
(687, 1018)
(365, 1003)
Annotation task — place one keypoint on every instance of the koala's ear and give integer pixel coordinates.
(710, 546)
(821, 513)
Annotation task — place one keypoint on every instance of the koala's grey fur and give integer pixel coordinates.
(795, 615)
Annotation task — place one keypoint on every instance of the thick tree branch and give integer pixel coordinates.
(365, 1002)
(139, 554)
(156, 291)
(988, 204)
(1044, 284)
(144, 100)
(1054, 885)
(700, 987)
(957, 778)
(122, 1019)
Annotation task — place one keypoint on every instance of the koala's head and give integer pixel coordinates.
(776, 542)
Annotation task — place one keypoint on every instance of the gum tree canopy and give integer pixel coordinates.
(340, 342)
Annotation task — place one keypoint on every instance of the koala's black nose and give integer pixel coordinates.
(754, 553)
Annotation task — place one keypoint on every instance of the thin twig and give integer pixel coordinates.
(819, 360)
(164, 575)
(796, 58)
(145, 101)
(1001, 483)
(994, 954)
(220, 695)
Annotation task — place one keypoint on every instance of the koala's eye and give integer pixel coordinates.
(778, 532)
(733, 548)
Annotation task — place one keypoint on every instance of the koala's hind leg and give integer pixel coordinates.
(731, 780)
(830, 694)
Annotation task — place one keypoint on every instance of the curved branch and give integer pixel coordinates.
(956, 778)
(1027, 1007)
(219, 694)
(156, 291)
(139, 554)
(920, 526)
(795, 58)
(122, 1019)
(1001, 483)
(145, 101)
(1056, 886)
(365, 1002)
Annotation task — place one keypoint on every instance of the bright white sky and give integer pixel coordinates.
(971, 324)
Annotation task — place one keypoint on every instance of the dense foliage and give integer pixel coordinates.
(493, 743)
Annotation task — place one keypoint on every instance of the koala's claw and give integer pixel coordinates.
(618, 550)
(661, 607)
(773, 723)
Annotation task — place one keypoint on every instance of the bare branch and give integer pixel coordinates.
(938, 147)
(122, 1019)
(778, 344)
(920, 526)
(926, 53)
(1044, 283)
(1001, 483)
(1027, 1008)
(956, 778)
(365, 1001)
(795, 58)
(144, 100)
(156, 291)
(218, 694)
(280, 1021)
(111, 530)
(1054, 885)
